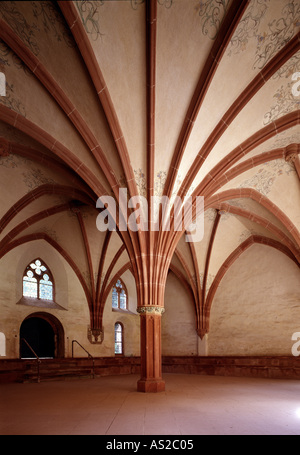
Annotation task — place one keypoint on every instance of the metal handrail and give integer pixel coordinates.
(89, 355)
(36, 356)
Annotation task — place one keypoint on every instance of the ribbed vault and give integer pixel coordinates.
(163, 98)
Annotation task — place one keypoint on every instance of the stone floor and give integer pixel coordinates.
(191, 405)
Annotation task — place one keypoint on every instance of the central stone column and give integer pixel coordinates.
(151, 363)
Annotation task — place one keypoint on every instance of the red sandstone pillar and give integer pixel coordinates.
(151, 368)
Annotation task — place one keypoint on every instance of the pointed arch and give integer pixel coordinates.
(38, 281)
(231, 259)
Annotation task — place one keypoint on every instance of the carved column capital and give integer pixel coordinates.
(148, 309)
(291, 153)
(291, 157)
(95, 336)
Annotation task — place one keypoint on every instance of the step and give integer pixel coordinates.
(51, 378)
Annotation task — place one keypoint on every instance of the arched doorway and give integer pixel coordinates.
(45, 335)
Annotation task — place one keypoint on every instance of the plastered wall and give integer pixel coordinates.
(256, 309)
(179, 335)
(73, 315)
(257, 306)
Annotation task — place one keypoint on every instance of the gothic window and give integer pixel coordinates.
(119, 338)
(38, 281)
(119, 296)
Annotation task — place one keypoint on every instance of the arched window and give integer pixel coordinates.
(38, 281)
(119, 296)
(119, 334)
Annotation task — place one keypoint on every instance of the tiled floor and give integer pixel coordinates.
(191, 405)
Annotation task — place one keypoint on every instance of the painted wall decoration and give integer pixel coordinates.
(34, 177)
(284, 100)
(15, 19)
(210, 215)
(50, 232)
(7, 58)
(48, 15)
(284, 140)
(278, 34)
(11, 102)
(248, 26)
(284, 103)
(159, 184)
(47, 19)
(8, 162)
(267, 174)
(136, 3)
(291, 67)
(166, 3)
(275, 36)
(246, 234)
(141, 181)
(89, 13)
(212, 13)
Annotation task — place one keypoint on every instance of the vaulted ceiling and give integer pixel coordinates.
(166, 97)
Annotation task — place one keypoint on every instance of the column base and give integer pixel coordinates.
(151, 386)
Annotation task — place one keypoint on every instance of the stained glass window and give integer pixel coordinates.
(115, 298)
(37, 281)
(123, 300)
(30, 285)
(118, 338)
(119, 295)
